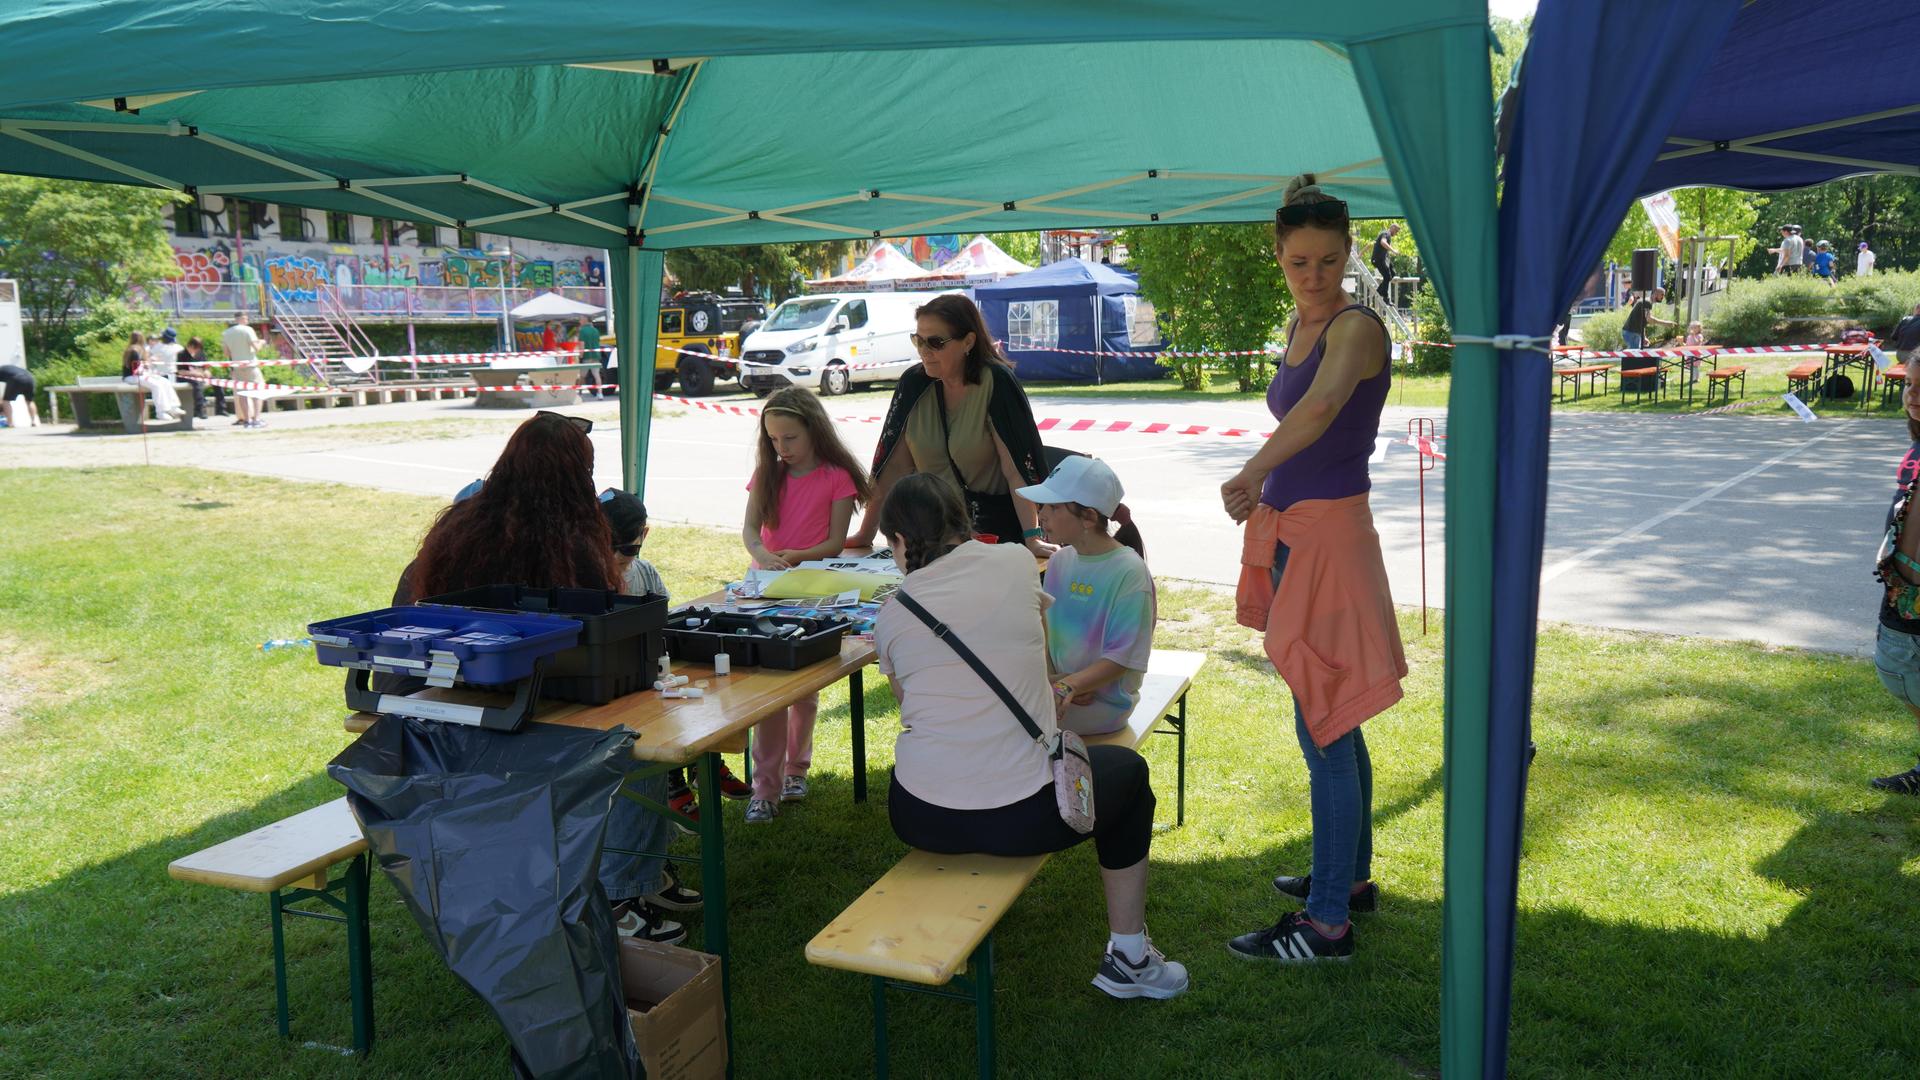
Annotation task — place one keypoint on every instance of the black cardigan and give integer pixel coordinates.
(1008, 410)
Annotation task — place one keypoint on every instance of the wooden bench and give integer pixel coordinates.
(1892, 382)
(1723, 378)
(930, 919)
(1595, 373)
(1802, 379)
(1641, 381)
(131, 398)
(288, 860)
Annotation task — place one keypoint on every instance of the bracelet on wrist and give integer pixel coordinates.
(1033, 534)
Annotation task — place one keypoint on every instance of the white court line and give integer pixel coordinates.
(1617, 539)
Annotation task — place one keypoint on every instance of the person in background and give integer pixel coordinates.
(166, 359)
(800, 503)
(1312, 576)
(1696, 333)
(1896, 649)
(1863, 261)
(1823, 262)
(1383, 254)
(590, 354)
(243, 348)
(535, 521)
(549, 340)
(18, 382)
(630, 876)
(135, 368)
(1791, 251)
(1100, 624)
(967, 777)
(193, 357)
(1633, 332)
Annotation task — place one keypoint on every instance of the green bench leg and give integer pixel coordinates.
(977, 987)
(347, 895)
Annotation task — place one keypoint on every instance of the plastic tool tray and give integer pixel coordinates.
(781, 642)
(622, 637)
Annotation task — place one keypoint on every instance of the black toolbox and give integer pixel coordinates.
(697, 635)
(622, 637)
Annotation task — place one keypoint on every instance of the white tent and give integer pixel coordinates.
(982, 260)
(554, 306)
(883, 266)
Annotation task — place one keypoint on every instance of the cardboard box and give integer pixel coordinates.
(675, 1009)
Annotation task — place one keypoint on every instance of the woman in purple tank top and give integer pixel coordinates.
(1327, 394)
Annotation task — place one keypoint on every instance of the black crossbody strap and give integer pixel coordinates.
(941, 631)
(940, 399)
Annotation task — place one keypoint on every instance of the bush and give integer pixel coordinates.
(1805, 310)
(1430, 324)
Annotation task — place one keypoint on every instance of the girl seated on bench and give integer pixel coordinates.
(967, 777)
(1100, 624)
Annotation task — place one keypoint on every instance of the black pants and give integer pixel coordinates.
(1122, 805)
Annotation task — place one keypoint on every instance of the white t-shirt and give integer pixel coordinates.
(1792, 250)
(1863, 263)
(241, 343)
(164, 358)
(959, 747)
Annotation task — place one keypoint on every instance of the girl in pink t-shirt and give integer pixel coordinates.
(804, 487)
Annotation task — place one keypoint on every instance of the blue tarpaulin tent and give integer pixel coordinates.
(1052, 318)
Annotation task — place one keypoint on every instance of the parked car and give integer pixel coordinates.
(832, 341)
(700, 335)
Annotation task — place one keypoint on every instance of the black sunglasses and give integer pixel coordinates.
(585, 425)
(931, 344)
(1331, 212)
(627, 551)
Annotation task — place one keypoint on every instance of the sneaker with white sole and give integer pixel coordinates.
(674, 896)
(793, 789)
(1154, 976)
(761, 811)
(1293, 940)
(635, 919)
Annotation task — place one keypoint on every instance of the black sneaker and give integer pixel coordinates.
(641, 920)
(1364, 901)
(1906, 783)
(1293, 940)
(674, 896)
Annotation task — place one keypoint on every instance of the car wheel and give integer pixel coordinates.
(696, 376)
(835, 380)
(662, 383)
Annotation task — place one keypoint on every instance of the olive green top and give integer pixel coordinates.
(974, 452)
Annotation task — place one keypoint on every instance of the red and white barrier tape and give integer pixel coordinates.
(461, 388)
(414, 360)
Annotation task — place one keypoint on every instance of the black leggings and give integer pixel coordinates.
(1122, 805)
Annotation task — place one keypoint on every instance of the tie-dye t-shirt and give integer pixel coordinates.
(1103, 609)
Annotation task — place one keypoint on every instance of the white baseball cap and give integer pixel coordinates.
(1078, 479)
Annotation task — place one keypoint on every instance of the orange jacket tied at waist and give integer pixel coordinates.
(1330, 626)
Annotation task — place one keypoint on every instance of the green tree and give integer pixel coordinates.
(1215, 287)
(1882, 210)
(1024, 246)
(776, 271)
(1724, 211)
(76, 247)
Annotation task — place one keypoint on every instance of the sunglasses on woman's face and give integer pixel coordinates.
(1333, 212)
(585, 425)
(626, 551)
(931, 344)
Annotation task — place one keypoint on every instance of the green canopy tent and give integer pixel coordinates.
(647, 126)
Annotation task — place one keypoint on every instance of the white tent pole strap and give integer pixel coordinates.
(585, 220)
(1194, 208)
(935, 200)
(651, 167)
(1707, 146)
(252, 189)
(408, 181)
(93, 159)
(261, 155)
(820, 225)
(420, 212)
(661, 230)
(495, 189)
(516, 215)
(815, 205)
(694, 204)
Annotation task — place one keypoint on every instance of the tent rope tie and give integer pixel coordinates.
(1512, 342)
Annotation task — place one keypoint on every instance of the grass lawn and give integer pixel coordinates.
(1709, 887)
(1766, 381)
(1420, 390)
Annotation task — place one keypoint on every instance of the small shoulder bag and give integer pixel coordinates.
(1066, 752)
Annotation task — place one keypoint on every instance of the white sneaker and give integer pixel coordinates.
(1154, 976)
(793, 789)
(761, 811)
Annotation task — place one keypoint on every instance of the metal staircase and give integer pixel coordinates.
(1371, 294)
(324, 336)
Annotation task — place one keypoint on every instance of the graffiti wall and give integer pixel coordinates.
(456, 281)
(934, 251)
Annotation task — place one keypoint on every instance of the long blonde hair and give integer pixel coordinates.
(770, 476)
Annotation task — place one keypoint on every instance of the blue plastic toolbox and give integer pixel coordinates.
(442, 643)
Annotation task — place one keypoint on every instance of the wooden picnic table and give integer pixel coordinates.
(1841, 358)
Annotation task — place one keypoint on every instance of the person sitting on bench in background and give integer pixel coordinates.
(967, 777)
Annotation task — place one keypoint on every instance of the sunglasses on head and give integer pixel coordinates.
(931, 344)
(1331, 212)
(582, 423)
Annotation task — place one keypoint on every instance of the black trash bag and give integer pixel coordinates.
(493, 840)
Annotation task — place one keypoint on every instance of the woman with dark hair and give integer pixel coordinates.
(975, 427)
(536, 521)
(1311, 572)
(967, 775)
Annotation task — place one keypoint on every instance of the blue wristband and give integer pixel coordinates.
(1033, 534)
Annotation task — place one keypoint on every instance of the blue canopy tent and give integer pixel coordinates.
(1613, 101)
(1053, 318)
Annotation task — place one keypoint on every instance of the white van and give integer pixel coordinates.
(830, 341)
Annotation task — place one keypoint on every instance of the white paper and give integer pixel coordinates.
(1880, 359)
(1397, 347)
(1800, 407)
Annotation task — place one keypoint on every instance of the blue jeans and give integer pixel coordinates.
(1340, 792)
(1632, 340)
(630, 825)
(1896, 657)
